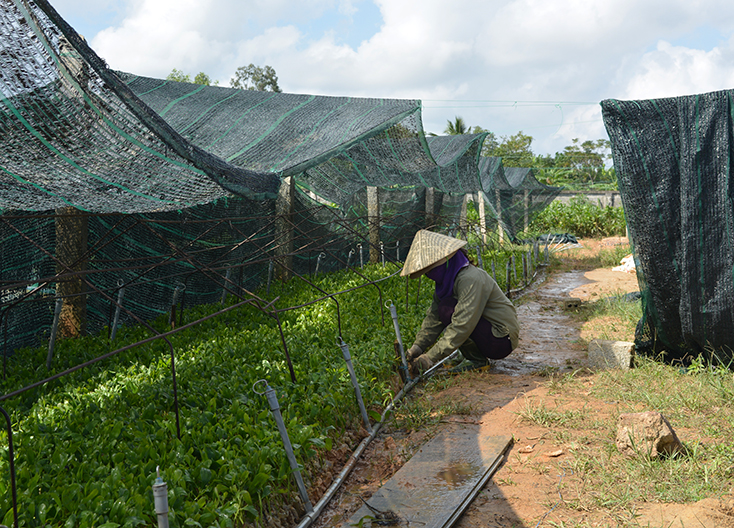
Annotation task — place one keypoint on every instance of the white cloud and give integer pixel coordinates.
(671, 71)
(466, 50)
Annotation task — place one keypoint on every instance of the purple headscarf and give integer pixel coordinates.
(445, 274)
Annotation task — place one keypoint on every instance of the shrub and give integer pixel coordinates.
(581, 218)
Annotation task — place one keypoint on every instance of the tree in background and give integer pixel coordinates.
(457, 127)
(254, 77)
(515, 151)
(586, 159)
(201, 78)
(579, 165)
(178, 76)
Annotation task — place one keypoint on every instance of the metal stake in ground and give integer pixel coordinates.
(396, 325)
(54, 330)
(227, 280)
(270, 275)
(275, 409)
(355, 384)
(321, 256)
(180, 287)
(116, 320)
(508, 278)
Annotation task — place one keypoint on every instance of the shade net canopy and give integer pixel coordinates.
(71, 134)
(177, 184)
(673, 161)
(514, 194)
(334, 146)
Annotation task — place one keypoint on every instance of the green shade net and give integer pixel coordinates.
(334, 146)
(673, 161)
(180, 180)
(514, 194)
(71, 134)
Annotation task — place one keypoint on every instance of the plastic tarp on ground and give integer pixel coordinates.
(673, 159)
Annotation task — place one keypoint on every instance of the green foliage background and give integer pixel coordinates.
(581, 218)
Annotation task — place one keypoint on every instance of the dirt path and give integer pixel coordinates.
(537, 484)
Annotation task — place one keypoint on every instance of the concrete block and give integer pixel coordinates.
(611, 354)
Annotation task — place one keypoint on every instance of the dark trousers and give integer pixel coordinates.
(482, 344)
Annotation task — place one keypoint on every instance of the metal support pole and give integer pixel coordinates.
(11, 466)
(54, 331)
(524, 269)
(118, 308)
(479, 257)
(355, 384)
(180, 287)
(275, 409)
(160, 499)
(508, 278)
(514, 268)
(397, 251)
(227, 277)
(382, 253)
(361, 256)
(529, 260)
(349, 257)
(547, 257)
(398, 336)
(318, 262)
(271, 267)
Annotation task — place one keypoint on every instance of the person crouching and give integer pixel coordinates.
(468, 307)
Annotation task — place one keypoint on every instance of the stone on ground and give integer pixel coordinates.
(646, 434)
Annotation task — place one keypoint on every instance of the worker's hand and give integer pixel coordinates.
(413, 352)
(420, 365)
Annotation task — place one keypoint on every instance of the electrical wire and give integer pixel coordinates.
(560, 499)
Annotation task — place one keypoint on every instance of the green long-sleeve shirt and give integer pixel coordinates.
(477, 295)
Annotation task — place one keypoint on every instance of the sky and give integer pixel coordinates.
(537, 66)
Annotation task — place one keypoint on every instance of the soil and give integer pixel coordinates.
(536, 485)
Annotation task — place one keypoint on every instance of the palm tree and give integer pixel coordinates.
(457, 127)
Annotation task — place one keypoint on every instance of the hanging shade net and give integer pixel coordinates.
(73, 134)
(673, 162)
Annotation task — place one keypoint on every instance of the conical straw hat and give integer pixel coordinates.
(427, 249)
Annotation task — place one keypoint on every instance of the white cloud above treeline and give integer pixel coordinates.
(562, 52)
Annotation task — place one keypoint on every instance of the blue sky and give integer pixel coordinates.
(537, 66)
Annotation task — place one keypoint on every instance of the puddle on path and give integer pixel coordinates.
(546, 332)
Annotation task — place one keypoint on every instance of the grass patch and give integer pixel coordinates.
(697, 401)
(539, 414)
(613, 318)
